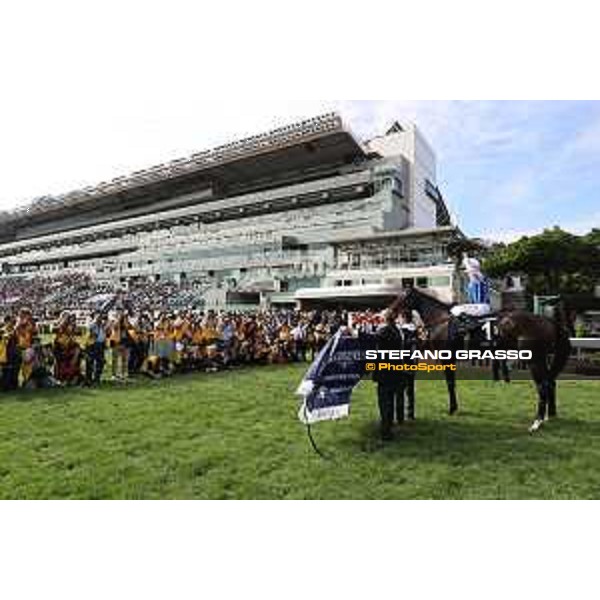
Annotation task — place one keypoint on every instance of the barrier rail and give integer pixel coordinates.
(583, 344)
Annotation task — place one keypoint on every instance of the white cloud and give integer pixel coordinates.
(458, 130)
(577, 226)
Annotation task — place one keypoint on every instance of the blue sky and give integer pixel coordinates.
(506, 168)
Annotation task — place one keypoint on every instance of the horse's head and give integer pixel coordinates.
(430, 308)
(407, 300)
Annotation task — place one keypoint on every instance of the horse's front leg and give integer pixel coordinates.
(451, 383)
(543, 385)
(500, 371)
(542, 388)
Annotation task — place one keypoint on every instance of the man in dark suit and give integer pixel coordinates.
(406, 381)
(390, 391)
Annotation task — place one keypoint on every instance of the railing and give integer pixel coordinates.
(582, 345)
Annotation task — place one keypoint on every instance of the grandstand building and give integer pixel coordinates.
(304, 214)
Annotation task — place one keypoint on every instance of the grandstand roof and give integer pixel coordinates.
(316, 141)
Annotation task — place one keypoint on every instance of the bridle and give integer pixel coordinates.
(424, 305)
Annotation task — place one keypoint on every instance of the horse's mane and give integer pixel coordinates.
(431, 298)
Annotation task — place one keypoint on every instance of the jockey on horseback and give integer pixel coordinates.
(478, 292)
(478, 312)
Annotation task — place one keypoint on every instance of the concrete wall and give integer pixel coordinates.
(424, 168)
(412, 145)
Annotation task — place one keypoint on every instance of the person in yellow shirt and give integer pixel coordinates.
(144, 328)
(163, 342)
(187, 336)
(196, 341)
(210, 334)
(119, 341)
(178, 335)
(67, 351)
(25, 331)
(4, 339)
(135, 341)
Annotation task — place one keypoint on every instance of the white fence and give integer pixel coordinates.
(581, 345)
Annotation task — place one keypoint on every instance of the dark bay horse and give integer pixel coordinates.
(516, 329)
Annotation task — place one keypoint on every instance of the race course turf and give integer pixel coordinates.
(236, 435)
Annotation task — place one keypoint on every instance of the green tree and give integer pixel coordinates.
(593, 238)
(555, 261)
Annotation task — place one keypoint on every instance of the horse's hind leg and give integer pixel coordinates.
(505, 372)
(451, 383)
(496, 371)
(543, 389)
(552, 409)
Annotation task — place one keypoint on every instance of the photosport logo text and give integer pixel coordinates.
(410, 368)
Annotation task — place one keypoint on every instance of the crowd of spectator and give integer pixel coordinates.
(73, 330)
(79, 293)
(123, 342)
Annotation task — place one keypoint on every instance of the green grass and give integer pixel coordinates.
(235, 435)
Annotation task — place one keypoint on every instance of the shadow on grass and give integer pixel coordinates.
(458, 442)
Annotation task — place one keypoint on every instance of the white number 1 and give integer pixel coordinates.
(488, 330)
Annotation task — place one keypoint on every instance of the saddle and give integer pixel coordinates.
(471, 321)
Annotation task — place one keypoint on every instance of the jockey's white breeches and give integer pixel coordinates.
(472, 310)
